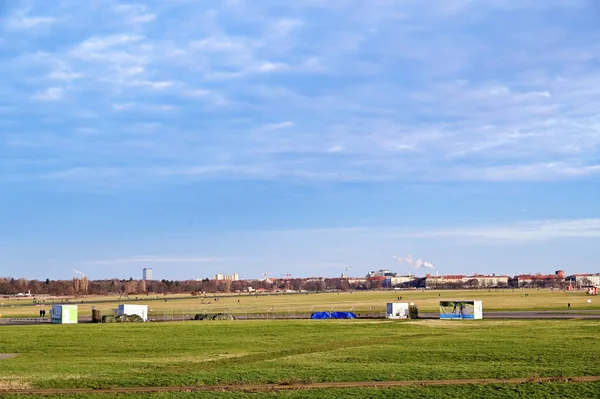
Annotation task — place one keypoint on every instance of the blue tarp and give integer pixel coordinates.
(343, 315)
(333, 315)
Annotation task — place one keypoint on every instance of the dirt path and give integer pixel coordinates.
(279, 387)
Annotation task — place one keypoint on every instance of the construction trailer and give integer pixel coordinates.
(140, 310)
(464, 309)
(397, 310)
(63, 314)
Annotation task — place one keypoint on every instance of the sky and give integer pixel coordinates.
(311, 137)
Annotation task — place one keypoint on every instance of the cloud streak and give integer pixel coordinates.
(526, 231)
(322, 91)
(156, 259)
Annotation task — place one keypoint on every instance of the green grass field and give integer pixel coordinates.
(196, 353)
(369, 302)
(529, 391)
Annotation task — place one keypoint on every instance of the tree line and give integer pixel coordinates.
(83, 286)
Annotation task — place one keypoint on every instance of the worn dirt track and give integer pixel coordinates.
(279, 387)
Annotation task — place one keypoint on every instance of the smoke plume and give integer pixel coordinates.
(408, 259)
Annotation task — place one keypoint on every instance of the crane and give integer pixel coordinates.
(346, 272)
(287, 278)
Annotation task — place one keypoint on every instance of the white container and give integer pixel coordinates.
(397, 310)
(461, 310)
(63, 314)
(140, 310)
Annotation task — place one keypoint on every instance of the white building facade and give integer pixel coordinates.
(147, 274)
(586, 279)
(226, 277)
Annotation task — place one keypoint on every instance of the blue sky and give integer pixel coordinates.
(301, 137)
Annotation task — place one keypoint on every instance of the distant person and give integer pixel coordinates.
(568, 306)
(41, 312)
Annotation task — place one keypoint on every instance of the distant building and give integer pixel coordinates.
(440, 281)
(585, 280)
(226, 277)
(398, 280)
(489, 281)
(540, 280)
(356, 280)
(381, 273)
(147, 274)
(473, 281)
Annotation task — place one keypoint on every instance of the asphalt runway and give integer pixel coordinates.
(532, 314)
(515, 315)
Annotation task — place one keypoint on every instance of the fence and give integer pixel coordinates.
(25, 320)
(160, 313)
(254, 314)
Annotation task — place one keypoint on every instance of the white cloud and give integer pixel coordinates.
(50, 94)
(285, 26)
(208, 95)
(198, 93)
(84, 173)
(272, 66)
(143, 18)
(21, 20)
(123, 107)
(534, 230)
(335, 148)
(152, 85)
(136, 13)
(418, 98)
(515, 232)
(280, 125)
(154, 259)
(207, 170)
(220, 44)
(105, 42)
(62, 75)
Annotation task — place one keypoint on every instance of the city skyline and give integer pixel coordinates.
(304, 138)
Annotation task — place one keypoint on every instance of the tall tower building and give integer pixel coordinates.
(147, 274)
